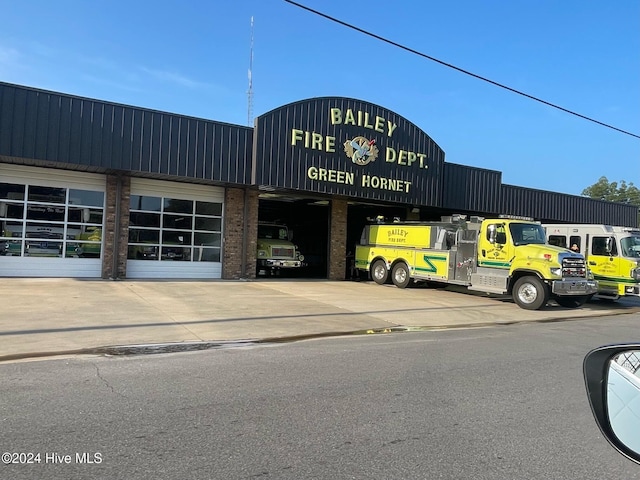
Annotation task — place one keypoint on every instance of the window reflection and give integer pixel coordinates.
(45, 212)
(144, 219)
(210, 224)
(86, 197)
(11, 210)
(143, 202)
(47, 194)
(207, 239)
(206, 254)
(11, 191)
(172, 228)
(178, 206)
(209, 208)
(177, 221)
(51, 227)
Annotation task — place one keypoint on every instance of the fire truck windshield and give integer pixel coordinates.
(630, 246)
(527, 233)
(277, 232)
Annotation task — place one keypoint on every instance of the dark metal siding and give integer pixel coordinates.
(469, 189)
(558, 207)
(279, 164)
(52, 127)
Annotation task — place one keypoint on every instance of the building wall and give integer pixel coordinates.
(469, 189)
(551, 207)
(240, 233)
(116, 227)
(86, 133)
(338, 240)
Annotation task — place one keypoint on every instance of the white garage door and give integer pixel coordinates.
(50, 222)
(175, 230)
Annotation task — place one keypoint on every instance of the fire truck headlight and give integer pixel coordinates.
(262, 253)
(556, 272)
(301, 258)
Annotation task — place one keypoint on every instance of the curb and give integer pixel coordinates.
(193, 346)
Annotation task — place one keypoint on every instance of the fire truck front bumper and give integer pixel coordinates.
(574, 287)
(274, 263)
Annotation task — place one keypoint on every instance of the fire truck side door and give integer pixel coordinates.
(495, 246)
(604, 260)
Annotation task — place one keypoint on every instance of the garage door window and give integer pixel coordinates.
(170, 229)
(39, 221)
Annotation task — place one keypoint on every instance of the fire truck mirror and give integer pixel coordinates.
(609, 245)
(491, 233)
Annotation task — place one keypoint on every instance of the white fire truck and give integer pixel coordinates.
(612, 253)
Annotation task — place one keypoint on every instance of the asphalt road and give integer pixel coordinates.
(505, 402)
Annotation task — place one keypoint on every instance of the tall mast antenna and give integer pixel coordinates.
(250, 91)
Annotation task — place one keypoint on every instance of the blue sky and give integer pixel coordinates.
(192, 58)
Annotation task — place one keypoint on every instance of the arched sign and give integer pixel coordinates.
(347, 147)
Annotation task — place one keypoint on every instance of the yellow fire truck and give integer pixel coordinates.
(613, 254)
(498, 256)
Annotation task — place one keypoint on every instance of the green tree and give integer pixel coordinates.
(625, 192)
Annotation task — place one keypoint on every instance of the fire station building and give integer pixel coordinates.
(101, 190)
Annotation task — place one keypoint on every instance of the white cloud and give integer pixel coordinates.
(172, 77)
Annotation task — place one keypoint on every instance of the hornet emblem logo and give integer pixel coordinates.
(361, 151)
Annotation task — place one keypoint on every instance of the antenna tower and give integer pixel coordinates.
(250, 90)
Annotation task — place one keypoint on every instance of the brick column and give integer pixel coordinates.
(240, 233)
(110, 226)
(338, 240)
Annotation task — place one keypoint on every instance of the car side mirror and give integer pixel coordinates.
(612, 378)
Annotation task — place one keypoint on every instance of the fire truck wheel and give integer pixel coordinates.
(400, 275)
(379, 272)
(572, 302)
(530, 293)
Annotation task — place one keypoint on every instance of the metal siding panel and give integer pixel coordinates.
(114, 153)
(553, 206)
(54, 114)
(85, 134)
(67, 129)
(179, 150)
(75, 130)
(40, 130)
(95, 134)
(224, 168)
(18, 123)
(146, 133)
(210, 151)
(199, 151)
(471, 189)
(160, 143)
(7, 119)
(154, 142)
(64, 133)
(30, 120)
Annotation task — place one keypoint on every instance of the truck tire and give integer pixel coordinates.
(379, 272)
(400, 275)
(530, 293)
(572, 302)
